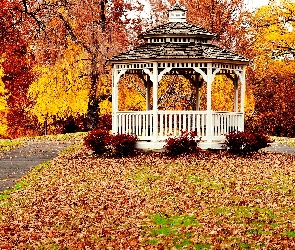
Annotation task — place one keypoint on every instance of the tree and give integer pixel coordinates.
(99, 27)
(17, 65)
(272, 73)
(60, 90)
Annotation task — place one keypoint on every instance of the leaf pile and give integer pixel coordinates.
(151, 201)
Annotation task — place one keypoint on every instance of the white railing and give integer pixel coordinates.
(225, 122)
(138, 123)
(171, 123)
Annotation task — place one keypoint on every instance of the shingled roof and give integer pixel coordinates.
(178, 39)
(174, 29)
(178, 51)
(178, 6)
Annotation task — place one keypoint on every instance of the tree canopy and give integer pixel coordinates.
(54, 52)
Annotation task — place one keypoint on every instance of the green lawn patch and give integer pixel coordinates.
(6, 144)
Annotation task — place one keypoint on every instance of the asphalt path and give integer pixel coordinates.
(16, 163)
(280, 148)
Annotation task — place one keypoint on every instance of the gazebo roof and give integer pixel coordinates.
(174, 29)
(178, 40)
(199, 51)
(177, 6)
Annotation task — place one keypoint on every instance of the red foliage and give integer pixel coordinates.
(105, 122)
(101, 142)
(17, 68)
(187, 143)
(97, 140)
(123, 145)
(243, 143)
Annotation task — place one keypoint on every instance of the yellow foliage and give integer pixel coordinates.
(129, 95)
(61, 90)
(105, 107)
(3, 105)
(274, 39)
(222, 94)
(174, 93)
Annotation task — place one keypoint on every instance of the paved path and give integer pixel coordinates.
(280, 148)
(18, 162)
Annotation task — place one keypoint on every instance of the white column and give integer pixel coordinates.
(198, 86)
(209, 125)
(148, 93)
(243, 89)
(115, 97)
(243, 93)
(236, 98)
(115, 101)
(155, 101)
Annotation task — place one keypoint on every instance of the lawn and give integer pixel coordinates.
(149, 201)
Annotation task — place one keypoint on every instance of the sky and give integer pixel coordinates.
(254, 4)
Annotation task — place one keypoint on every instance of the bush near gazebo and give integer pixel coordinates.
(243, 143)
(186, 143)
(101, 142)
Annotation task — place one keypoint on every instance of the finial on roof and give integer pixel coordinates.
(177, 13)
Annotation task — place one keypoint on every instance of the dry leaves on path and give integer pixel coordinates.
(151, 201)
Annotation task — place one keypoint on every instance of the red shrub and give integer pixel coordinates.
(101, 142)
(123, 145)
(187, 143)
(96, 141)
(243, 143)
(105, 122)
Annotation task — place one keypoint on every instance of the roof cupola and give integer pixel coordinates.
(177, 13)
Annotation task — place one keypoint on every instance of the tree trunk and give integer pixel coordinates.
(93, 103)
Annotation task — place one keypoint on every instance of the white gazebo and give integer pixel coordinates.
(179, 48)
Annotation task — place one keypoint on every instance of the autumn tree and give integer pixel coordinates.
(272, 73)
(100, 28)
(16, 65)
(60, 91)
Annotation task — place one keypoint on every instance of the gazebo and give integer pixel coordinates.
(179, 48)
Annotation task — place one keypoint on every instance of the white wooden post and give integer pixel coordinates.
(148, 93)
(210, 78)
(243, 92)
(114, 101)
(155, 101)
(243, 89)
(198, 86)
(115, 97)
(236, 98)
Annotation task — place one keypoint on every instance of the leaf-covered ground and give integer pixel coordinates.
(149, 201)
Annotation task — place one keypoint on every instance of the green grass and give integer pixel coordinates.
(284, 140)
(6, 144)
